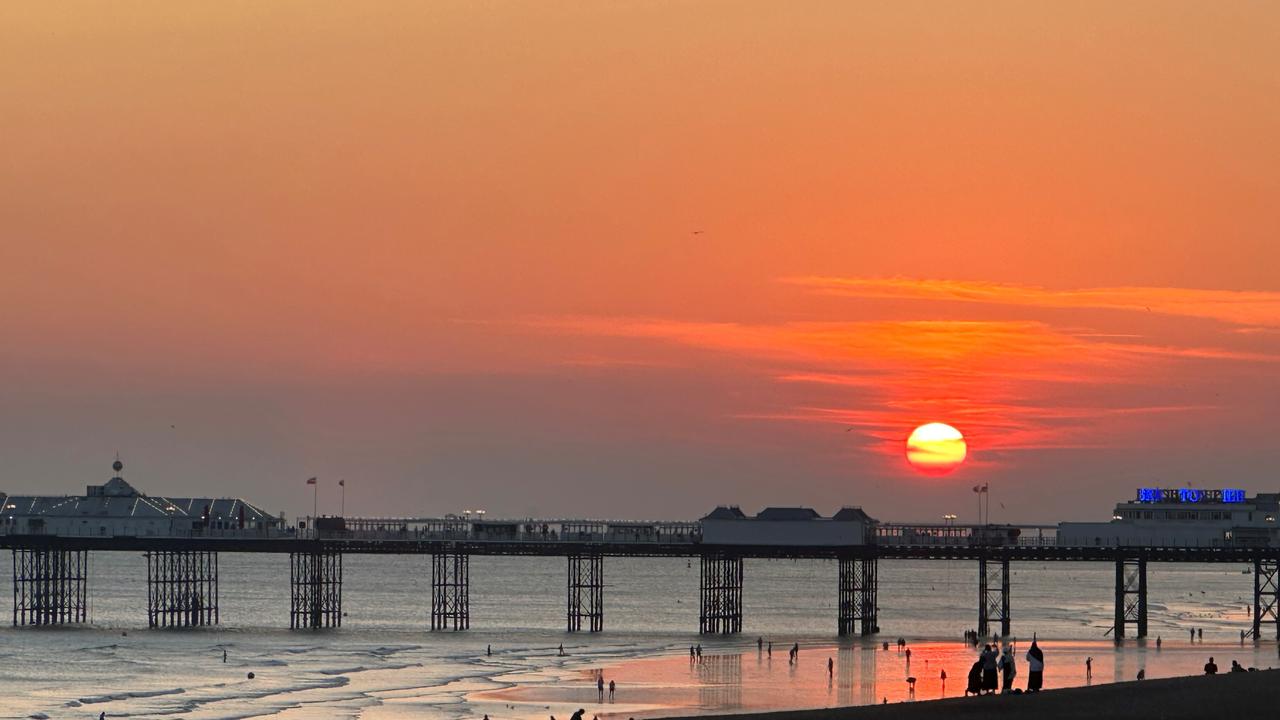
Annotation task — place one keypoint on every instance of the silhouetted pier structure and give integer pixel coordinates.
(50, 578)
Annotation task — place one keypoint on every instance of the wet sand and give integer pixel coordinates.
(738, 679)
(1255, 694)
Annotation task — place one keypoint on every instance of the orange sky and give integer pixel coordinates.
(640, 258)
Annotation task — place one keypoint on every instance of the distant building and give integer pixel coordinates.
(1181, 517)
(789, 526)
(115, 508)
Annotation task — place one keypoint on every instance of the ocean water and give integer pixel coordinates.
(384, 663)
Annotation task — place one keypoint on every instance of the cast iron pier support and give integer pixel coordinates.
(315, 581)
(1131, 596)
(586, 592)
(993, 594)
(720, 609)
(182, 588)
(450, 590)
(1266, 593)
(50, 587)
(857, 596)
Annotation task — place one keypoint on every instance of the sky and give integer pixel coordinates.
(637, 259)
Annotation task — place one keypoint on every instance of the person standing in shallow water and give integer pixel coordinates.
(990, 679)
(1035, 665)
(1008, 670)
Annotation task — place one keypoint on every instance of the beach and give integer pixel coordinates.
(383, 664)
(1248, 694)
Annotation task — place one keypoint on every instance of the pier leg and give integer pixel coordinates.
(450, 591)
(1266, 593)
(857, 596)
(182, 588)
(316, 583)
(50, 587)
(721, 594)
(586, 592)
(1131, 596)
(993, 594)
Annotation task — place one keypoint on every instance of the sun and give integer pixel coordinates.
(936, 448)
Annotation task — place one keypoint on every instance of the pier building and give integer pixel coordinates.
(116, 508)
(1182, 517)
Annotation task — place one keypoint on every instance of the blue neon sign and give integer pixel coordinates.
(1190, 495)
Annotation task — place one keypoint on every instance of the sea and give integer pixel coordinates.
(384, 662)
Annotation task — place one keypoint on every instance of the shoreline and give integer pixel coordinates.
(1245, 694)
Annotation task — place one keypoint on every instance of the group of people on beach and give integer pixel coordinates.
(994, 668)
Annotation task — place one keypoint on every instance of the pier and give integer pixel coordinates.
(51, 586)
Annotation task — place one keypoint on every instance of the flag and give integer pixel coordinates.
(311, 481)
(342, 483)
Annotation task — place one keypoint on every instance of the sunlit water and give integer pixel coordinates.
(383, 663)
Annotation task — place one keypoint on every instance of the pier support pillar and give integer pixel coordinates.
(720, 609)
(182, 588)
(450, 590)
(993, 594)
(586, 592)
(315, 581)
(1266, 593)
(50, 587)
(1131, 596)
(857, 596)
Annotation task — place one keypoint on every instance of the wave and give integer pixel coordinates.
(95, 699)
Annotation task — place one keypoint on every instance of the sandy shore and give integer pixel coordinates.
(1255, 694)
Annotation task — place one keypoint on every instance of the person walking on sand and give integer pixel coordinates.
(612, 686)
(561, 649)
(770, 651)
(1035, 663)
(831, 667)
(1088, 669)
(224, 654)
(1200, 634)
(759, 645)
(1008, 671)
(908, 653)
(1157, 642)
(1193, 634)
(600, 687)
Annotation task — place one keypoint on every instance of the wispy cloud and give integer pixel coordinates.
(1251, 308)
(1009, 385)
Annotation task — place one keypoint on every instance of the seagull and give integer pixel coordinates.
(697, 232)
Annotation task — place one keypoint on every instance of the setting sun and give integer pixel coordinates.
(936, 449)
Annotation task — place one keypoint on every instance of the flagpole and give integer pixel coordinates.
(315, 501)
(343, 484)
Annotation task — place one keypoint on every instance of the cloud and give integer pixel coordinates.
(1260, 309)
(1010, 385)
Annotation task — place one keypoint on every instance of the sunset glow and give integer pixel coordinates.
(936, 448)
(644, 257)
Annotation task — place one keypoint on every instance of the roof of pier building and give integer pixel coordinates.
(117, 499)
(787, 514)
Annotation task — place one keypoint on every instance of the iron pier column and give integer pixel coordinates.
(50, 586)
(857, 596)
(450, 590)
(993, 594)
(586, 591)
(720, 609)
(315, 580)
(182, 588)
(1131, 595)
(1266, 593)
